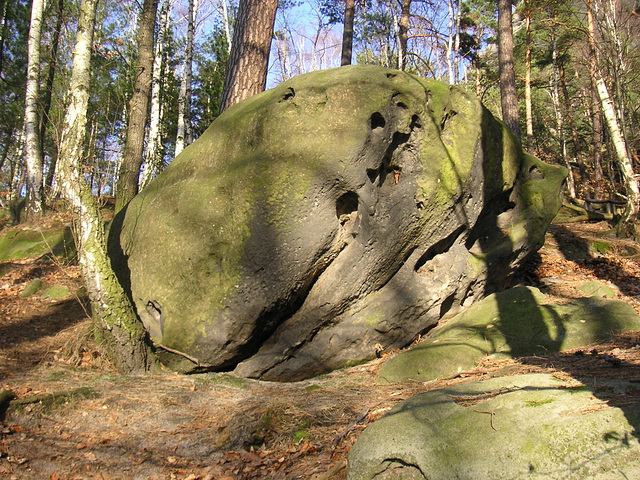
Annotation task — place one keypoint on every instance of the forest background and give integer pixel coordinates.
(455, 41)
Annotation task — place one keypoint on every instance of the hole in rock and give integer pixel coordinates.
(535, 173)
(446, 305)
(447, 116)
(441, 246)
(377, 121)
(372, 173)
(346, 206)
(289, 94)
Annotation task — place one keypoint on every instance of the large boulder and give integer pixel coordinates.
(340, 213)
(521, 427)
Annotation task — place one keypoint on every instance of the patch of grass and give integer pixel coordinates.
(301, 435)
(538, 403)
(602, 247)
(311, 388)
(225, 379)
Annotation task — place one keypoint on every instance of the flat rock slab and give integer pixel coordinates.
(21, 242)
(521, 427)
(514, 323)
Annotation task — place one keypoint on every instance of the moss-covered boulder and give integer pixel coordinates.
(342, 209)
(519, 427)
(514, 323)
(26, 241)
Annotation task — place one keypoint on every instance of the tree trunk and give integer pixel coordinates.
(627, 224)
(403, 34)
(508, 93)
(247, 70)
(596, 120)
(227, 28)
(127, 185)
(183, 137)
(153, 158)
(34, 206)
(555, 96)
(112, 310)
(48, 92)
(347, 33)
(450, 43)
(527, 78)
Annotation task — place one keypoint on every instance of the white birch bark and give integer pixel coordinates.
(183, 137)
(227, 28)
(623, 159)
(33, 157)
(450, 43)
(111, 308)
(153, 157)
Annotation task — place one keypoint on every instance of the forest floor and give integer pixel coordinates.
(74, 417)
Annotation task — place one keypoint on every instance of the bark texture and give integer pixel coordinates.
(183, 137)
(127, 185)
(403, 33)
(113, 313)
(627, 224)
(508, 93)
(347, 33)
(34, 205)
(153, 157)
(249, 58)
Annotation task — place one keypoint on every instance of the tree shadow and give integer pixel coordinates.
(14, 336)
(576, 248)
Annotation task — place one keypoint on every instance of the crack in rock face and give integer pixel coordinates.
(338, 215)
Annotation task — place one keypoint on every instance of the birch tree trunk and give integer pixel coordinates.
(183, 137)
(527, 78)
(450, 43)
(247, 69)
(127, 184)
(153, 157)
(627, 225)
(33, 158)
(113, 313)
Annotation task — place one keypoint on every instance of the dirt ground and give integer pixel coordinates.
(74, 417)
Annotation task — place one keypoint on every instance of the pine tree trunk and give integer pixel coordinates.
(113, 313)
(247, 69)
(183, 137)
(127, 185)
(347, 33)
(508, 93)
(153, 157)
(34, 206)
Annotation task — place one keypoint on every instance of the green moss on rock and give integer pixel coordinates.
(513, 323)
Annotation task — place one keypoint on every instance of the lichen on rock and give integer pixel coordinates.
(343, 209)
